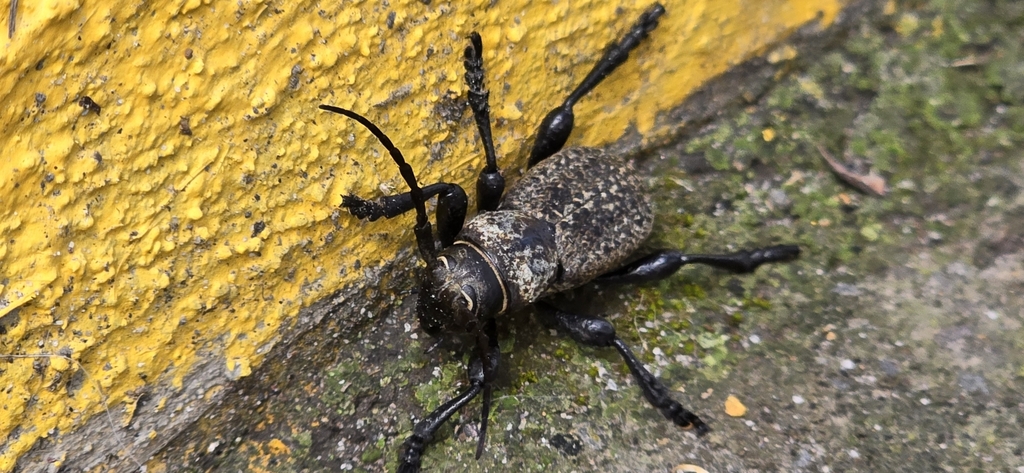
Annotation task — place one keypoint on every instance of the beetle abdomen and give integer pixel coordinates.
(597, 205)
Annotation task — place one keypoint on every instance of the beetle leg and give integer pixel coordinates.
(664, 263)
(451, 208)
(490, 185)
(412, 448)
(480, 373)
(599, 332)
(557, 125)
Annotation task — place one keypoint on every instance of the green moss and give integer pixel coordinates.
(435, 392)
(528, 377)
(757, 302)
(343, 385)
(304, 439)
(371, 455)
(736, 319)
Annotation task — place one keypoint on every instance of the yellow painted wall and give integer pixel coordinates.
(128, 248)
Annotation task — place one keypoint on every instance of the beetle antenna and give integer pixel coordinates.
(424, 234)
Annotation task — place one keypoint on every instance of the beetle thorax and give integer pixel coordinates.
(522, 248)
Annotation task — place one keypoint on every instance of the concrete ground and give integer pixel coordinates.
(895, 343)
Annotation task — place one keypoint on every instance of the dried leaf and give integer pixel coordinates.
(687, 468)
(871, 183)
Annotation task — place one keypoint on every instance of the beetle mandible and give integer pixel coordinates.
(576, 216)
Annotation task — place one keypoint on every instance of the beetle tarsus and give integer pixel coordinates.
(657, 394)
(745, 261)
(452, 205)
(361, 208)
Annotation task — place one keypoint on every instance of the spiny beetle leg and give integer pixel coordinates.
(490, 185)
(599, 332)
(664, 263)
(452, 204)
(554, 130)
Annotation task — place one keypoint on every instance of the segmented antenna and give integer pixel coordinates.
(424, 234)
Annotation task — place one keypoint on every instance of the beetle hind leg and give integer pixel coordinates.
(554, 130)
(599, 332)
(664, 263)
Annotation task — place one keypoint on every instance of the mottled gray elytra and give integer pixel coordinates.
(577, 215)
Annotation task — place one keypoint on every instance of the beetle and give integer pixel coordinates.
(576, 216)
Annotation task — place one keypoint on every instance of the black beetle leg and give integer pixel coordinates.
(598, 332)
(451, 208)
(664, 263)
(557, 125)
(479, 371)
(490, 185)
(412, 448)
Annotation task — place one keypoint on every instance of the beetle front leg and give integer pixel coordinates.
(452, 204)
(412, 448)
(479, 372)
(599, 332)
(557, 125)
(664, 263)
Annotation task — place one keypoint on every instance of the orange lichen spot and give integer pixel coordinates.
(277, 447)
(734, 407)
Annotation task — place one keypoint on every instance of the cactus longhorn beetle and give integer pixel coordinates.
(576, 216)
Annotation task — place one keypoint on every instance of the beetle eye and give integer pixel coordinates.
(448, 263)
(467, 296)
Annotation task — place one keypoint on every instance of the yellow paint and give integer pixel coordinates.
(129, 246)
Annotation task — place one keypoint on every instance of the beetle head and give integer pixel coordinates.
(463, 289)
